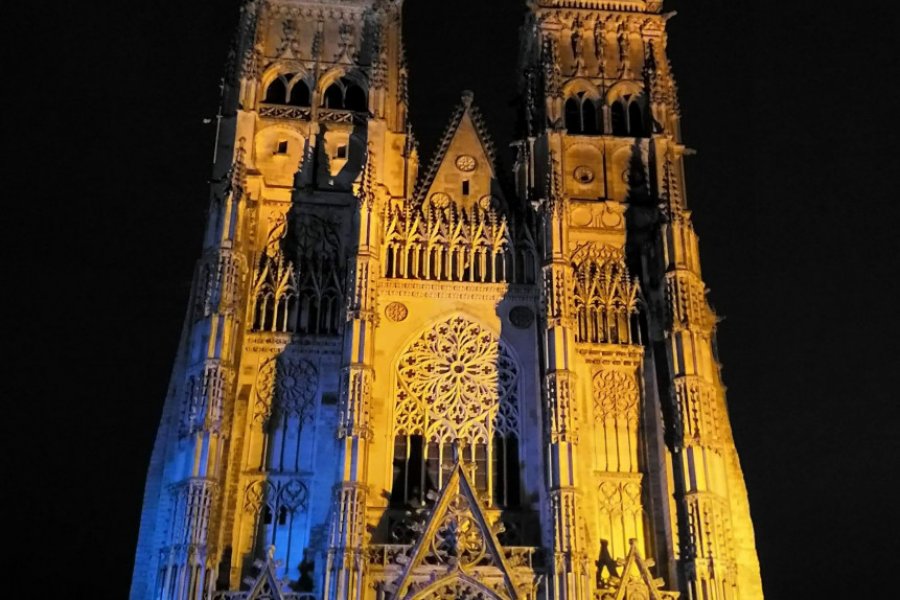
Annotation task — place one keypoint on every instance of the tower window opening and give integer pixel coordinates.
(300, 95)
(627, 114)
(465, 187)
(345, 94)
(355, 98)
(282, 147)
(581, 115)
(341, 151)
(619, 119)
(334, 97)
(276, 93)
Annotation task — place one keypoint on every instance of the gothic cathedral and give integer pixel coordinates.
(447, 382)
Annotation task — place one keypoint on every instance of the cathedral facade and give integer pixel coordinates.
(450, 381)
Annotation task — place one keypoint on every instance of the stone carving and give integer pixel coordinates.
(583, 174)
(605, 299)
(616, 396)
(290, 383)
(620, 497)
(466, 163)
(396, 311)
(458, 381)
(291, 495)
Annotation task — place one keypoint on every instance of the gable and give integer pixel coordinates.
(463, 169)
(636, 580)
(457, 541)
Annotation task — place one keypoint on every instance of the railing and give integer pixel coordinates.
(243, 596)
(386, 555)
(280, 111)
(304, 113)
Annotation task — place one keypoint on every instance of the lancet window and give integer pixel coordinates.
(582, 115)
(444, 241)
(274, 506)
(283, 410)
(457, 401)
(606, 300)
(627, 116)
(345, 94)
(288, 88)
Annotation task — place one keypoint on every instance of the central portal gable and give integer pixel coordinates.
(636, 581)
(457, 550)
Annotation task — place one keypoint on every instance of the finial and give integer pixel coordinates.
(467, 97)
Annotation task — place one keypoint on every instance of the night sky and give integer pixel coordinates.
(787, 103)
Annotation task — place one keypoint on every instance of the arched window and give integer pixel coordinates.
(628, 116)
(457, 405)
(346, 95)
(300, 94)
(581, 115)
(355, 98)
(333, 97)
(276, 93)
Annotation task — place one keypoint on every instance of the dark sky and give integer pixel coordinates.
(792, 110)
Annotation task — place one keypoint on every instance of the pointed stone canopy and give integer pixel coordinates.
(456, 540)
(267, 586)
(466, 151)
(636, 580)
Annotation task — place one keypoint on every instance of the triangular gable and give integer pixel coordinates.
(636, 573)
(458, 537)
(267, 585)
(465, 136)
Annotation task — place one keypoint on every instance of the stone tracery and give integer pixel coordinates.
(457, 379)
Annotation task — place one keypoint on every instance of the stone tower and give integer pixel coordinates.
(455, 385)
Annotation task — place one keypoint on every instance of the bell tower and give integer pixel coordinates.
(641, 457)
(311, 134)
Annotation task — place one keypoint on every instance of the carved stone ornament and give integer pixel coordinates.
(396, 311)
(440, 200)
(583, 174)
(466, 163)
(521, 317)
(458, 382)
(288, 381)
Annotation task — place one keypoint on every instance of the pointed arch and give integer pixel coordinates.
(456, 389)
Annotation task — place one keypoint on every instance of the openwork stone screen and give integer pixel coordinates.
(457, 382)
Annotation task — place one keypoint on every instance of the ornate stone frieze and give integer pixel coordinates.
(495, 292)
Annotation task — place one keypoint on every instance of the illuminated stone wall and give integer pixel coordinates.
(455, 382)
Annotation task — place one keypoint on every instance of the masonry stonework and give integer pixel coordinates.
(447, 382)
